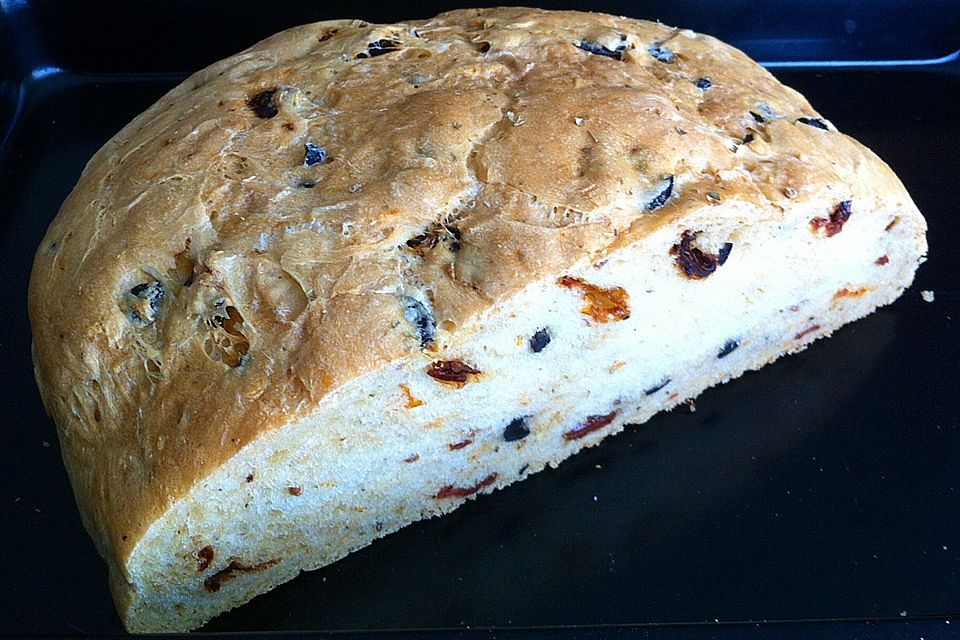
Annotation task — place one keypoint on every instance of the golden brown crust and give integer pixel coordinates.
(493, 135)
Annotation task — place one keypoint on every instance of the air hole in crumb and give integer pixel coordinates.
(227, 343)
(153, 368)
(183, 270)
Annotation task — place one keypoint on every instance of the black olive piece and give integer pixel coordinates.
(661, 53)
(423, 241)
(652, 390)
(757, 116)
(437, 232)
(724, 252)
(539, 340)
(314, 155)
(748, 138)
(728, 347)
(264, 103)
(814, 122)
(379, 48)
(420, 317)
(455, 237)
(152, 292)
(516, 430)
(662, 197)
(704, 83)
(600, 50)
(523, 468)
(306, 184)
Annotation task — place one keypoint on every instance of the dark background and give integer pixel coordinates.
(825, 487)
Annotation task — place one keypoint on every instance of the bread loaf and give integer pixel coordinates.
(358, 274)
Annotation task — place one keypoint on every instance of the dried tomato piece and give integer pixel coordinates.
(809, 329)
(834, 224)
(693, 261)
(450, 491)
(231, 571)
(455, 372)
(603, 304)
(456, 446)
(204, 558)
(589, 425)
(412, 402)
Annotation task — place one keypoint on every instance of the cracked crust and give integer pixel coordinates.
(282, 280)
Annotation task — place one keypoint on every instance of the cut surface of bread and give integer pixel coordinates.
(359, 274)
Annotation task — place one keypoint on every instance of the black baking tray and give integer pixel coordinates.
(823, 488)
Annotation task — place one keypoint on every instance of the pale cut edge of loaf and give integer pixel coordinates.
(366, 463)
